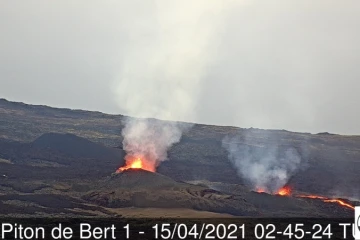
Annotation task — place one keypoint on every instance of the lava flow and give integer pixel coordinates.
(340, 202)
(137, 163)
(328, 200)
(287, 191)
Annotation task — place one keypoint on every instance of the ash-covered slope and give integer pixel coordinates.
(143, 189)
(140, 179)
(332, 161)
(75, 146)
(140, 188)
(57, 156)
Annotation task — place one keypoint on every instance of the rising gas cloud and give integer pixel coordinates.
(264, 168)
(146, 141)
(160, 77)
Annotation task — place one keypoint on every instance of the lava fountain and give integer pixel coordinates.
(284, 191)
(137, 162)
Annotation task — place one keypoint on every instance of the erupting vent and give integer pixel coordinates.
(137, 163)
(287, 191)
(284, 191)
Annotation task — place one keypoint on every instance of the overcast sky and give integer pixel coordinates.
(268, 64)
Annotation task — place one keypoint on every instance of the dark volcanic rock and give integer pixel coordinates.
(58, 156)
(139, 178)
(49, 162)
(75, 146)
(139, 188)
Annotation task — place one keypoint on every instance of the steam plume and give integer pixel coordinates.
(160, 76)
(266, 168)
(150, 139)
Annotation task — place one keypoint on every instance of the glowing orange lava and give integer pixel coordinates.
(137, 163)
(284, 191)
(328, 200)
(340, 202)
(311, 196)
(260, 190)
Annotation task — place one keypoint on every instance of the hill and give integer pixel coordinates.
(143, 189)
(57, 156)
(75, 146)
(199, 155)
(45, 150)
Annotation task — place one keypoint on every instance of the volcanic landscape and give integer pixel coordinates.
(62, 162)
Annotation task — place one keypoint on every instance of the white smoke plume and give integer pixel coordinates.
(151, 138)
(266, 168)
(160, 77)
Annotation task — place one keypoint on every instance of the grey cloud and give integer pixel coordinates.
(275, 64)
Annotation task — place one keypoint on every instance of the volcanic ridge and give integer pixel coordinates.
(51, 165)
